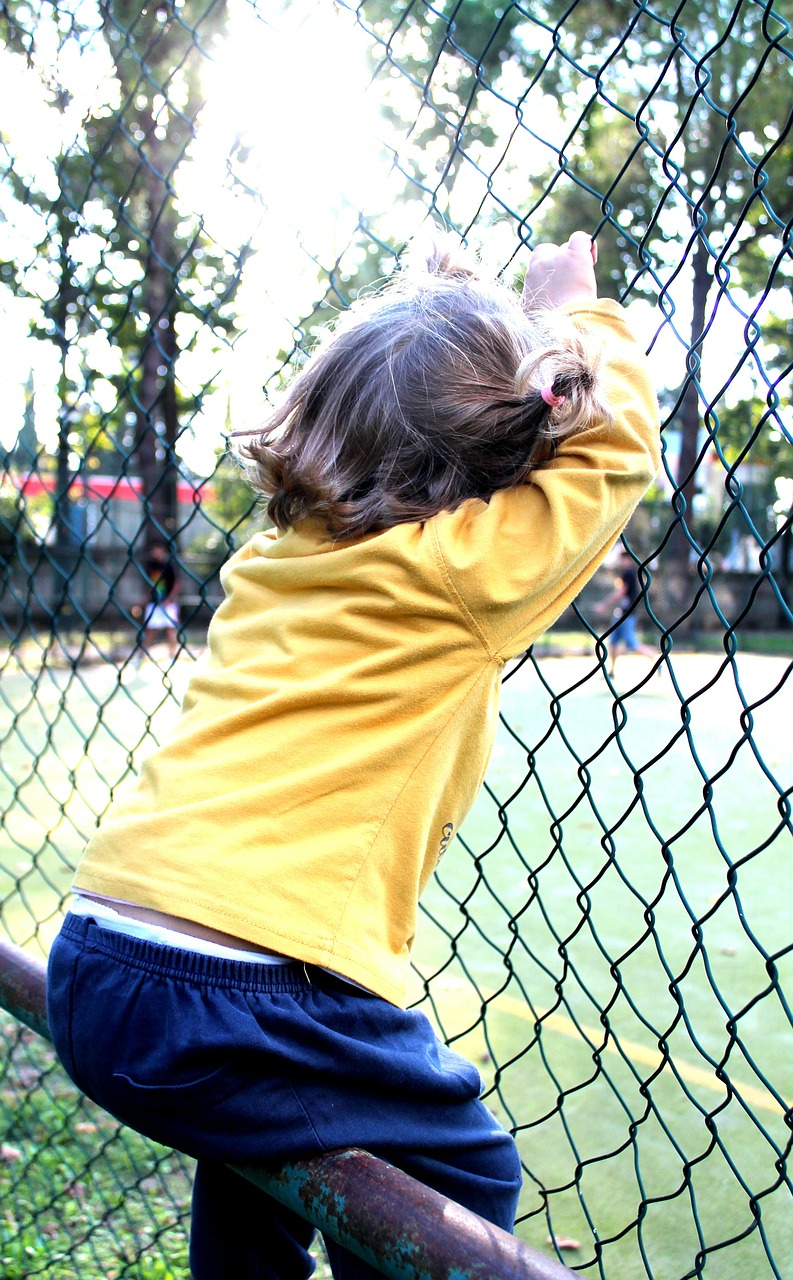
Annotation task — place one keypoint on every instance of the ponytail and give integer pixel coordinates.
(561, 383)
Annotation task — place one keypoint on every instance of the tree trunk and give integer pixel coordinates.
(65, 550)
(689, 415)
(156, 409)
(786, 569)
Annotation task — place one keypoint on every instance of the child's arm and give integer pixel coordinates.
(520, 561)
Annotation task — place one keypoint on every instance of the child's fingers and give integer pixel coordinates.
(582, 244)
(543, 254)
(557, 274)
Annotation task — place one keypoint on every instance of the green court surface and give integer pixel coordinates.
(639, 882)
(608, 940)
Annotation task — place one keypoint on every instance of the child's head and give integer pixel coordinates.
(439, 389)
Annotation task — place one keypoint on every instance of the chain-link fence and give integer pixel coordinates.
(190, 189)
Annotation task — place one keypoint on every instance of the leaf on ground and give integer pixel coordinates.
(564, 1242)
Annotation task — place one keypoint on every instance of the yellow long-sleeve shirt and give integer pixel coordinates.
(342, 721)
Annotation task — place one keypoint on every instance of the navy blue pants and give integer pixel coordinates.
(234, 1061)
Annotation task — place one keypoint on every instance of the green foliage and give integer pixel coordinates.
(21, 518)
(678, 151)
(450, 54)
(603, 171)
(82, 1198)
(699, 124)
(747, 433)
(153, 283)
(474, 36)
(233, 510)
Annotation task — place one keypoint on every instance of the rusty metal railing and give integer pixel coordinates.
(404, 1229)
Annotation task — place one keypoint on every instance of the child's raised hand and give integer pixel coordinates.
(561, 273)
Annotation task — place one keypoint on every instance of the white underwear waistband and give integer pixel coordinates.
(113, 918)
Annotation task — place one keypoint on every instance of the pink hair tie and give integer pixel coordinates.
(550, 398)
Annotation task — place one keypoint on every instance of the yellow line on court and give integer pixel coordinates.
(653, 1058)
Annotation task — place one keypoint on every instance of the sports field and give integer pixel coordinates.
(609, 940)
(642, 881)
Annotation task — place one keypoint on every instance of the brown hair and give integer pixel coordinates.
(425, 396)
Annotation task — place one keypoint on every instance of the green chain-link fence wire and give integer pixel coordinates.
(189, 190)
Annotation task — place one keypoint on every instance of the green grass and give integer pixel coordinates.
(560, 641)
(634, 879)
(80, 1196)
(83, 1198)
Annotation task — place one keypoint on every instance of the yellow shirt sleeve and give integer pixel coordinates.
(518, 561)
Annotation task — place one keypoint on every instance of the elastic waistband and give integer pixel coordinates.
(193, 966)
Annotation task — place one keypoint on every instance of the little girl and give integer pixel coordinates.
(443, 476)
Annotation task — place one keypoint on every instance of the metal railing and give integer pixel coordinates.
(404, 1229)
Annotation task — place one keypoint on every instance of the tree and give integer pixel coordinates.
(708, 88)
(605, 185)
(151, 268)
(676, 127)
(157, 54)
(17, 505)
(445, 59)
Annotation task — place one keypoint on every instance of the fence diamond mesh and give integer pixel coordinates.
(191, 188)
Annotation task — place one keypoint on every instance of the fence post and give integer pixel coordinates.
(404, 1229)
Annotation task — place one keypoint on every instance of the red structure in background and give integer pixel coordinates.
(100, 488)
